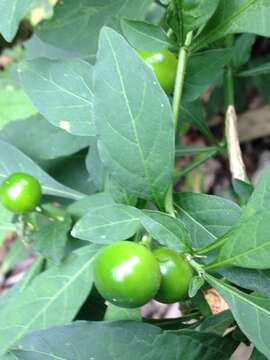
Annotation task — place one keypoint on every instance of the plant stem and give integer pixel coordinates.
(180, 76)
(194, 165)
(178, 90)
(228, 76)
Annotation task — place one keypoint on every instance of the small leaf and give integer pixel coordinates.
(114, 313)
(206, 216)
(51, 237)
(95, 167)
(105, 225)
(218, 323)
(194, 14)
(195, 285)
(258, 70)
(168, 231)
(243, 189)
(202, 70)
(17, 253)
(147, 37)
(242, 49)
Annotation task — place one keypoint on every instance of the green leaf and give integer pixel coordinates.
(62, 91)
(243, 189)
(242, 49)
(133, 124)
(168, 231)
(192, 112)
(42, 141)
(14, 105)
(193, 14)
(117, 313)
(88, 203)
(147, 37)
(247, 310)
(247, 243)
(258, 70)
(235, 16)
(195, 285)
(85, 21)
(206, 216)
(217, 324)
(119, 194)
(256, 355)
(17, 253)
(252, 279)
(12, 160)
(51, 237)
(12, 12)
(54, 297)
(82, 340)
(202, 71)
(95, 167)
(36, 48)
(105, 225)
(6, 225)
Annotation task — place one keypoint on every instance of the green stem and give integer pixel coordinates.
(180, 76)
(169, 208)
(194, 165)
(53, 215)
(228, 76)
(211, 247)
(146, 241)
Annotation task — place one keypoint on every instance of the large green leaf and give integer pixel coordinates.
(251, 313)
(247, 243)
(75, 27)
(206, 216)
(42, 141)
(13, 160)
(235, 16)
(107, 224)
(11, 12)
(54, 297)
(167, 230)
(62, 91)
(119, 340)
(134, 120)
(202, 70)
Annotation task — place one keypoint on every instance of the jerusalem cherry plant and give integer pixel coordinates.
(101, 94)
